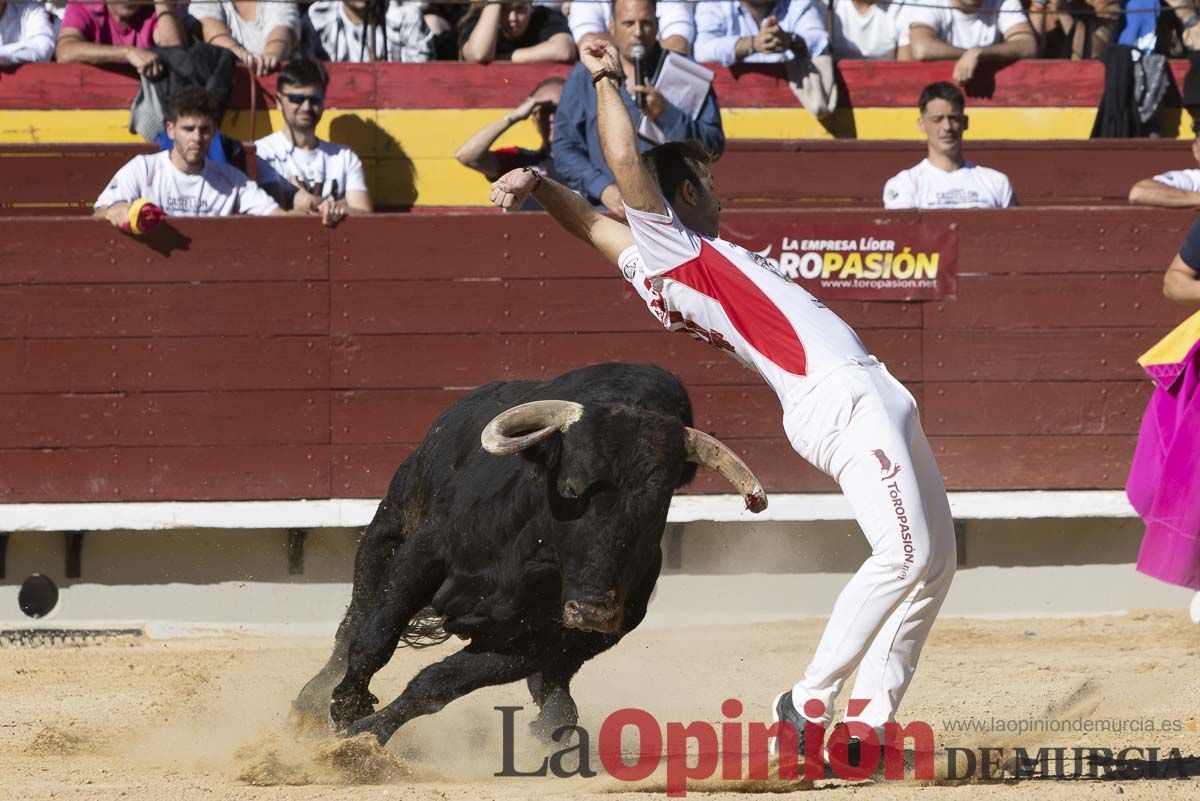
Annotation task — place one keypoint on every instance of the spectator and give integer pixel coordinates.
(370, 30)
(1177, 189)
(26, 33)
(729, 32)
(443, 19)
(867, 29)
(181, 181)
(969, 31)
(591, 20)
(260, 34)
(112, 32)
(541, 106)
(945, 180)
(576, 143)
(515, 31)
(1074, 29)
(296, 168)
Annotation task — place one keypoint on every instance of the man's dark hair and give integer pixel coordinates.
(302, 72)
(612, 7)
(673, 163)
(942, 90)
(192, 101)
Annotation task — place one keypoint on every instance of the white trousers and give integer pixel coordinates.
(860, 426)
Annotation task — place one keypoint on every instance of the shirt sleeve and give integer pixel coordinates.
(126, 186)
(36, 42)
(1011, 13)
(630, 262)
(1190, 252)
(252, 199)
(899, 193)
(929, 16)
(676, 18)
(356, 179)
(662, 240)
(716, 34)
(585, 18)
(78, 18)
(1185, 180)
(810, 26)
(209, 10)
(1008, 197)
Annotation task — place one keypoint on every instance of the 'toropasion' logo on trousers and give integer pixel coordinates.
(885, 464)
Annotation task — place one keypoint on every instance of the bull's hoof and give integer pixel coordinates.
(372, 725)
(345, 710)
(544, 726)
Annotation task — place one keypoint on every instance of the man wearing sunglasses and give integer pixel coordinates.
(299, 170)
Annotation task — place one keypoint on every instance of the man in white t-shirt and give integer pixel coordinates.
(676, 26)
(303, 173)
(181, 181)
(842, 411)
(867, 29)
(1177, 189)
(945, 179)
(969, 31)
(26, 33)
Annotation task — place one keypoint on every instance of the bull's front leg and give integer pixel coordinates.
(551, 687)
(410, 585)
(440, 683)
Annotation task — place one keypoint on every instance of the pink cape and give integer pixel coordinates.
(1164, 479)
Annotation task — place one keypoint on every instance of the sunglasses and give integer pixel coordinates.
(298, 100)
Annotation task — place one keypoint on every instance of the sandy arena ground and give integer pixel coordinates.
(167, 720)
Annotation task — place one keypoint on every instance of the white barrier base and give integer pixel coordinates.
(355, 513)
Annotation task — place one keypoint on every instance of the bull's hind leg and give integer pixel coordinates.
(440, 683)
(382, 538)
(413, 577)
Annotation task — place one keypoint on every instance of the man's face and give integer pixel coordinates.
(124, 11)
(698, 207)
(633, 23)
(359, 7)
(514, 19)
(543, 115)
(302, 106)
(943, 125)
(192, 135)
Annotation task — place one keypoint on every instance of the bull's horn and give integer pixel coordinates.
(712, 453)
(540, 419)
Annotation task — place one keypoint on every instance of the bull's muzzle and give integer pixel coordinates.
(604, 618)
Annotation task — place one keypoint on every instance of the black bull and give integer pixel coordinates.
(541, 546)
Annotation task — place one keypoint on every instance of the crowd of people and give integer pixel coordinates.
(264, 34)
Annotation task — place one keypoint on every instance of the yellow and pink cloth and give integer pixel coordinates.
(1164, 479)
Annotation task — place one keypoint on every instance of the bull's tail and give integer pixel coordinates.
(424, 630)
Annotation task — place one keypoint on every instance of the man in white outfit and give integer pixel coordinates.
(945, 179)
(842, 410)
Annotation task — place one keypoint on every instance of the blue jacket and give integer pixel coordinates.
(576, 146)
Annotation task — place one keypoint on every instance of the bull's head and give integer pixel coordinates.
(611, 471)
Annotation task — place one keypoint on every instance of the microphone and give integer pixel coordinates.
(638, 54)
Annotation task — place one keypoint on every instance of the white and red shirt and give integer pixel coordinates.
(738, 302)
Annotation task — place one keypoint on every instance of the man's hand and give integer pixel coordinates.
(117, 214)
(251, 60)
(964, 68)
(1191, 38)
(600, 54)
(267, 64)
(523, 111)
(145, 62)
(333, 211)
(510, 190)
(770, 38)
(612, 200)
(655, 103)
(304, 200)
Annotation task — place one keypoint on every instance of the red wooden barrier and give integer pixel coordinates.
(261, 359)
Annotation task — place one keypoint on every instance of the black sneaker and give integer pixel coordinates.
(783, 710)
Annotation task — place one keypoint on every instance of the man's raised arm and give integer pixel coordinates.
(568, 209)
(618, 140)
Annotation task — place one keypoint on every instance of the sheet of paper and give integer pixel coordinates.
(685, 85)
